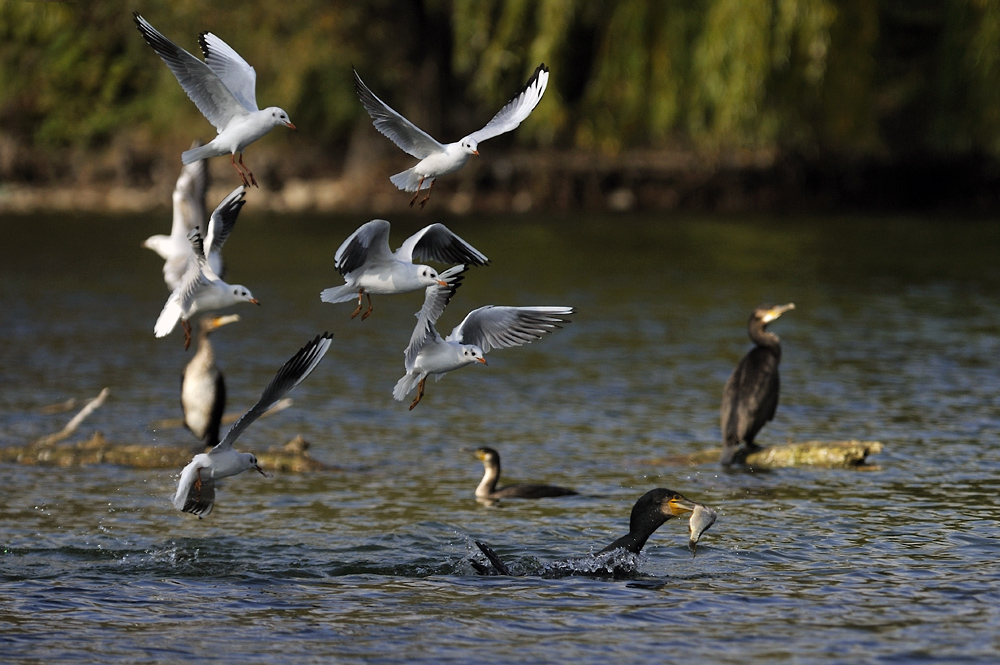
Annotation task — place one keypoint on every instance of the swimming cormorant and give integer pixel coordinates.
(649, 512)
(750, 397)
(487, 489)
(203, 388)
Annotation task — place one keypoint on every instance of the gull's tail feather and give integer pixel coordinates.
(201, 152)
(406, 385)
(169, 316)
(339, 293)
(409, 181)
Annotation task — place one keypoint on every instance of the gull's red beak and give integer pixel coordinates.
(254, 301)
(483, 361)
(475, 152)
(290, 126)
(442, 282)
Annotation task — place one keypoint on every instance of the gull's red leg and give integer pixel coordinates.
(420, 392)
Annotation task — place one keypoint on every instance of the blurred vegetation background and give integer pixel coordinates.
(898, 83)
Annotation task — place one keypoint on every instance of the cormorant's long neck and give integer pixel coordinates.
(639, 533)
(205, 353)
(491, 476)
(761, 336)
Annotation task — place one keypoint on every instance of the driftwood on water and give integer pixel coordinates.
(830, 454)
(50, 451)
(292, 457)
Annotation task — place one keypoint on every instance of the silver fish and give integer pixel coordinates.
(702, 517)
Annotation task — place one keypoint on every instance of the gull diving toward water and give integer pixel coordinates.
(223, 87)
(196, 488)
(369, 266)
(189, 213)
(202, 290)
(483, 329)
(436, 159)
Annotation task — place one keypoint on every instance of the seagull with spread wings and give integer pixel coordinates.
(489, 327)
(196, 487)
(223, 87)
(370, 267)
(438, 159)
(201, 289)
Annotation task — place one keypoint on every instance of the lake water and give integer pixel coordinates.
(895, 337)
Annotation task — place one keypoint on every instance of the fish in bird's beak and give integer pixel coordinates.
(290, 126)
(775, 312)
(702, 517)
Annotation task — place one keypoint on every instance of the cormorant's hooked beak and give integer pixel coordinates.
(678, 505)
(291, 126)
(777, 311)
(219, 321)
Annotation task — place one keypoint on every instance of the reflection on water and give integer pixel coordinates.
(896, 337)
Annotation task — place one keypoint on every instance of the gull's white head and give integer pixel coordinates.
(470, 145)
(428, 276)
(473, 354)
(242, 294)
(250, 460)
(279, 117)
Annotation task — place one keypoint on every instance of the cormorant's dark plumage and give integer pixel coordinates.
(648, 514)
(750, 397)
(487, 489)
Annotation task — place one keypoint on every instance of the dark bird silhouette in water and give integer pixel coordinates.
(750, 397)
(648, 514)
(488, 491)
(203, 388)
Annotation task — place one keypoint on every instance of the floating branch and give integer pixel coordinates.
(74, 423)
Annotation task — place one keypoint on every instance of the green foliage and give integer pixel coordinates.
(849, 76)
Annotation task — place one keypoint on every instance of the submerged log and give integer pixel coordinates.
(293, 457)
(829, 454)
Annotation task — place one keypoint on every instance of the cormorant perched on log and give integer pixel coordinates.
(653, 509)
(750, 397)
(203, 388)
(487, 489)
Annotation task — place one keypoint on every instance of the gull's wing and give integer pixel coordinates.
(291, 374)
(202, 85)
(494, 327)
(189, 197)
(517, 109)
(437, 243)
(369, 243)
(410, 138)
(436, 298)
(235, 72)
(224, 219)
(187, 498)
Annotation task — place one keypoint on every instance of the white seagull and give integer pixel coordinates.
(489, 327)
(223, 89)
(196, 488)
(201, 289)
(189, 213)
(436, 159)
(369, 266)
